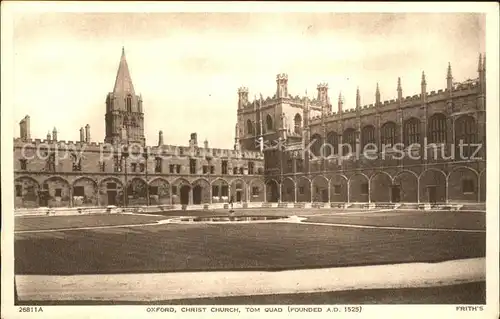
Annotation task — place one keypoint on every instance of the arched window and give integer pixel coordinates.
(269, 122)
(129, 103)
(437, 128)
(368, 135)
(349, 141)
(332, 139)
(388, 134)
(317, 143)
(125, 120)
(249, 127)
(297, 123)
(412, 131)
(465, 134)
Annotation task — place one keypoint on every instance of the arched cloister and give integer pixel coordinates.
(288, 190)
(320, 189)
(358, 188)
(159, 192)
(432, 186)
(303, 189)
(85, 192)
(26, 192)
(272, 191)
(57, 191)
(380, 187)
(463, 184)
(111, 192)
(257, 190)
(338, 188)
(220, 190)
(407, 186)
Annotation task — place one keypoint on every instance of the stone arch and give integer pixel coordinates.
(180, 188)
(239, 190)
(432, 186)
(380, 187)
(85, 192)
(272, 190)
(408, 186)
(256, 190)
(58, 191)
(111, 191)
(288, 190)
(463, 184)
(201, 191)
(137, 192)
(269, 123)
(320, 189)
(26, 192)
(159, 191)
(338, 188)
(303, 189)
(250, 129)
(482, 186)
(220, 190)
(359, 188)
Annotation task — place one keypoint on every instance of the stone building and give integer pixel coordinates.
(406, 149)
(123, 170)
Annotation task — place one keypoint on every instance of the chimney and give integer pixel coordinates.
(22, 129)
(400, 90)
(358, 99)
(340, 104)
(449, 78)
(160, 138)
(194, 140)
(206, 143)
(82, 135)
(87, 133)
(54, 134)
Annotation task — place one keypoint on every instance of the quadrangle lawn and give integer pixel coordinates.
(169, 247)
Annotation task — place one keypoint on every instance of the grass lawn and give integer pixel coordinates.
(445, 220)
(168, 247)
(57, 222)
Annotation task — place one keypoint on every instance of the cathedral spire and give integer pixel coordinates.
(123, 83)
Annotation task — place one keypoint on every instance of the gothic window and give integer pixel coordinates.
(465, 135)
(178, 169)
(317, 143)
(215, 190)
(269, 123)
(158, 165)
(192, 166)
(242, 170)
(251, 166)
(205, 169)
(349, 141)
(172, 168)
(368, 135)
(76, 163)
(235, 170)
(142, 167)
(297, 123)
(129, 103)
(133, 166)
(224, 167)
(388, 134)
(250, 129)
(332, 139)
(412, 131)
(299, 165)
(102, 166)
(23, 163)
(437, 128)
(51, 163)
(212, 169)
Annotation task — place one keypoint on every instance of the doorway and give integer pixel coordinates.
(238, 196)
(43, 198)
(273, 192)
(395, 194)
(185, 194)
(112, 198)
(432, 191)
(324, 195)
(197, 195)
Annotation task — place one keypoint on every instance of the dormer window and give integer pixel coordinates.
(129, 103)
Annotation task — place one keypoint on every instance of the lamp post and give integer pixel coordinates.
(124, 158)
(145, 154)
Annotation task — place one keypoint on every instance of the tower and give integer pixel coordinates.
(242, 97)
(323, 94)
(124, 116)
(281, 85)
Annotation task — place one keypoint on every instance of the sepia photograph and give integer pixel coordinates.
(202, 161)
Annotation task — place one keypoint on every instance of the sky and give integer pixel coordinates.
(189, 66)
